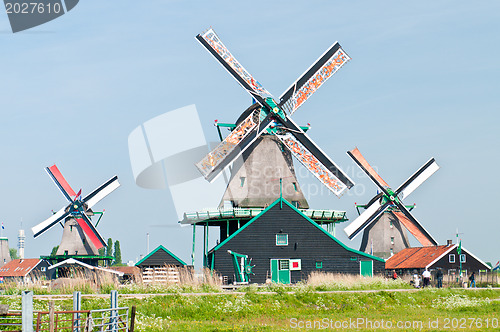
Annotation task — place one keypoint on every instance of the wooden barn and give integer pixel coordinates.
(286, 246)
(446, 257)
(161, 266)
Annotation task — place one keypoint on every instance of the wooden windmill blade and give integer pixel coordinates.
(214, 45)
(414, 226)
(61, 182)
(358, 158)
(313, 78)
(372, 212)
(91, 232)
(314, 159)
(102, 191)
(417, 178)
(48, 223)
(233, 145)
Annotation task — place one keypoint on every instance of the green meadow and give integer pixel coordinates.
(302, 307)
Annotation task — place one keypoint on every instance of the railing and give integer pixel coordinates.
(113, 319)
(11, 321)
(62, 320)
(108, 320)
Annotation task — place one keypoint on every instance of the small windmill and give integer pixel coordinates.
(80, 236)
(385, 213)
(266, 127)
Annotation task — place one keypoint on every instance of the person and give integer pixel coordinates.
(394, 275)
(472, 279)
(427, 277)
(439, 277)
(416, 280)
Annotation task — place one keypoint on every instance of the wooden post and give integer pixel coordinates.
(27, 311)
(132, 319)
(51, 316)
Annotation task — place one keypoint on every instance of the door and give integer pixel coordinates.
(366, 268)
(280, 271)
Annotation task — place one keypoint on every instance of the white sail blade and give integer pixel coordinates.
(101, 192)
(45, 225)
(361, 222)
(417, 178)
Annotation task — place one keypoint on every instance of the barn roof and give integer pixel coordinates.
(70, 262)
(422, 257)
(284, 201)
(19, 267)
(157, 251)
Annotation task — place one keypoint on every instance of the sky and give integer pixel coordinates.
(423, 82)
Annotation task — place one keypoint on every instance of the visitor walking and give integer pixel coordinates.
(427, 277)
(472, 279)
(439, 277)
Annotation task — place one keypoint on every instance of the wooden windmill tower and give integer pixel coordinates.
(386, 217)
(266, 137)
(80, 238)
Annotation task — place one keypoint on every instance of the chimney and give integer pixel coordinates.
(449, 242)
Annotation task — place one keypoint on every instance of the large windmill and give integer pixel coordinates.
(266, 136)
(80, 238)
(385, 214)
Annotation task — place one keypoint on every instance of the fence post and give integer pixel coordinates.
(51, 316)
(77, 306)
(27, 311)
(132, 319)
(114, 311)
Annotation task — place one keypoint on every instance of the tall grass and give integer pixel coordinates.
(322, 281)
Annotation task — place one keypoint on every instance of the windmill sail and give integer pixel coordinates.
(214, 45)
(313, 78)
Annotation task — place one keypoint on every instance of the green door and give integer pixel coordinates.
(280, 271)
(366, 268)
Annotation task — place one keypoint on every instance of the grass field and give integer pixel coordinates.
(303, 308)
(324, 302)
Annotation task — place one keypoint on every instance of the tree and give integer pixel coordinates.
(109, 248)
(118, 253)
(102, 251)
(13, 253)
(54, 251)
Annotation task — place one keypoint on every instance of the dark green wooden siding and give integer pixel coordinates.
(305, 242)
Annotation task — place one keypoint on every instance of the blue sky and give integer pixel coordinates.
(423, 82)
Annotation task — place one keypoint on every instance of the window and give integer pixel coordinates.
(66, 252)
(392, 239)
(43, 269)
(319, 264)
(354, 258)
(295, 186)
(296, 204)
(284, 264)
(392, 252)
(451, 258)
(462, 258)
(281, 239)
(391, 224)
(242, 181)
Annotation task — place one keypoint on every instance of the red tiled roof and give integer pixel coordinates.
(18, 267)
(416, 258)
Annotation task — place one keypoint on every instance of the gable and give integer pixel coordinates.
(282, 217)
(160, 257)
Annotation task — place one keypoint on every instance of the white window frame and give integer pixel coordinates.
(450, 256)
(281, 244)
(463, 259)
